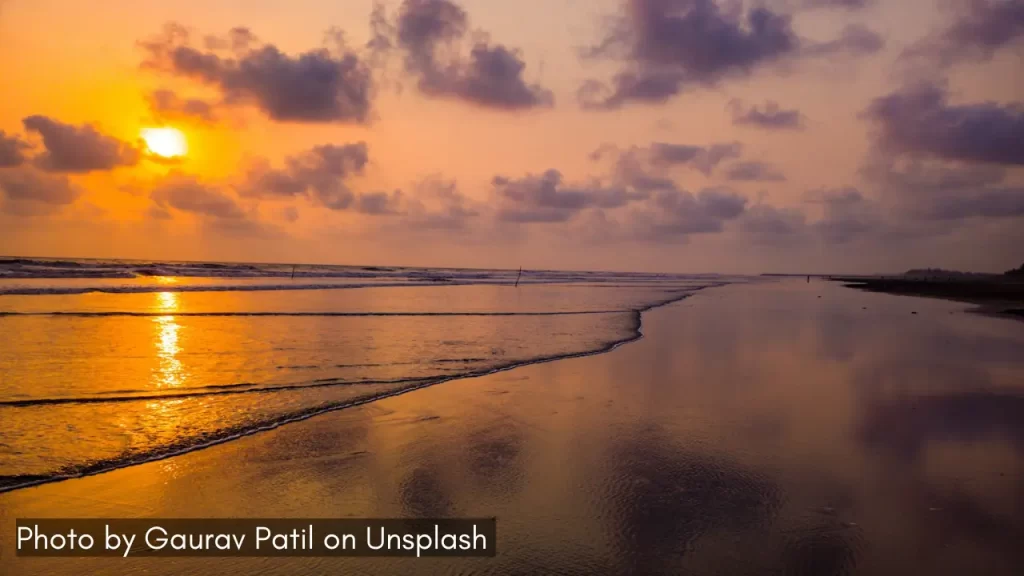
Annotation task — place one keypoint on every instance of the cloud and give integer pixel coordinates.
(323, 174)
(314, 86)
(667, 46)
(989, 203)
(766, 224)
(217, 210)
(753, 172)
(703, 158)
(847, 215)
(637, 201)
(772, 117)
(930, 190)
(979, 29)
(676, 214)
(382, 32)
(913, 199)
(545, 198)
(438, 205)
(840, 216)
(929, 176)
(156, 212)
(919, 120)
(847, 4)
(239, 40)
(430, 32)
(12, 150)
(423, 24)
(648, 168)
(854, 40)
(26, 184)
(81, 148)
(379, 203)
(166, 105)
(834, 196)
(289, 213)
(188, 194)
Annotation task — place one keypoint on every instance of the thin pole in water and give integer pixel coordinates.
(293, 271)
(518, 277)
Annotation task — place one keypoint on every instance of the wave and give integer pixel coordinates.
(217, 390)
(150, 288)
(301, 314)
(17, 290)
(185, 445)
(43, 268)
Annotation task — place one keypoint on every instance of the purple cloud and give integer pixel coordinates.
(847, 4)
(429, 32)
(648, 168)
(979, 29)
(186, 193)
(12, 150)
(323, 174)
(853, 40)
(919, 120)
(847, 215)
(934, 190)
(314, 86)
(545, 198)
(672, 215)
(703, 158)
(753, 172)
(766, 224)
(667, 46)
(166, 105)
(771, 117)
(25, 184)
(83, 148)
(437, 204)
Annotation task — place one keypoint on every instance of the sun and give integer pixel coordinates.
(165, 142)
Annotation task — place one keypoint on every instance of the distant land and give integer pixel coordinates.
(995, 293)
(917, 273)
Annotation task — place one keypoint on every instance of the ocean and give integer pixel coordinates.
(108, 363)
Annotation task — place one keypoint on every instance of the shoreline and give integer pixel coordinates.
(10, 483)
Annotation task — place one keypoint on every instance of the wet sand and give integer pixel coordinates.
(773, 428)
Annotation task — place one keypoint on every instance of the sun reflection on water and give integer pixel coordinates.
(169, 373)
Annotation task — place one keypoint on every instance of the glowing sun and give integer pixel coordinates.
(166, 142)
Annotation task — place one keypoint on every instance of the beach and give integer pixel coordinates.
(457, 287)
(776, 427)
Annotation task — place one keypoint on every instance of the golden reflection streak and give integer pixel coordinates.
(170, 373)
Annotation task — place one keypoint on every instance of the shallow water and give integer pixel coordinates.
(97, 373)
(755, 429)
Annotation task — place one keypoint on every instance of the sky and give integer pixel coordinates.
(831, 136)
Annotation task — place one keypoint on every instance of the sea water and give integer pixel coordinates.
(108, 363)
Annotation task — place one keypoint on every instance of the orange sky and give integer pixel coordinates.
(81, 64)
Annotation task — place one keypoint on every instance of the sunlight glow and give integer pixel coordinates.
(169, 373)
(167, 301)
(166, 142)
